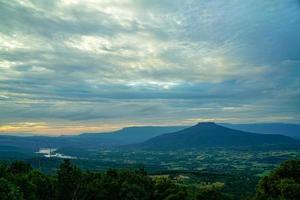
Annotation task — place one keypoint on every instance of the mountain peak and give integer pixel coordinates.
(205, 123)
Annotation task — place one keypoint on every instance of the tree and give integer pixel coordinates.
(165, 189)
(135, 185)
(283, 183)
(9, 191)
(26, 187)
(211, 194)
(69, 181)
(20, 167)
(44, 187)
(3, 170)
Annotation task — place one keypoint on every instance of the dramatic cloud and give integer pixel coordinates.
(72, 66)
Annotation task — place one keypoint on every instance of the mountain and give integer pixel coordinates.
(209, 134)
(129, 135)
(291, 130)
(201, 135)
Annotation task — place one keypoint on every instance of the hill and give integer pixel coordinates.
(209, 134)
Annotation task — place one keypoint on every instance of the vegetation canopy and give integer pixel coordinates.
(19, 181)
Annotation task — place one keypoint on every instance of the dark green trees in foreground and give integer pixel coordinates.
(282, 183)
(19, 181)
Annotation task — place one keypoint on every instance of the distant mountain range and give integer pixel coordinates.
(209, 134)
(291, 130)
(129, 135)
(203, 134)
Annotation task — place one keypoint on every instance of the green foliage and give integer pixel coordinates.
(282, 184)
(19, 167)
(165, 189)
(43, 185)
(211, 194)
(9, 191)
(69, 181)
(19, 181)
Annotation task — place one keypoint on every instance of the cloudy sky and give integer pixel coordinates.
(74, 66)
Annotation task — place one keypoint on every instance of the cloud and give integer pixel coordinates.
(135, 62)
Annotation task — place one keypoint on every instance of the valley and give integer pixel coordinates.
(200, 156)
(223, 168)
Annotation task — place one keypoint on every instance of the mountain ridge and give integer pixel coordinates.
(288, 129)
(127, 135)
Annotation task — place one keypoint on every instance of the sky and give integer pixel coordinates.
(74, 66)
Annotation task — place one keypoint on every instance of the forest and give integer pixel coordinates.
(20, 181)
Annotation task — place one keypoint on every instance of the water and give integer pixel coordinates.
(50, 153)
